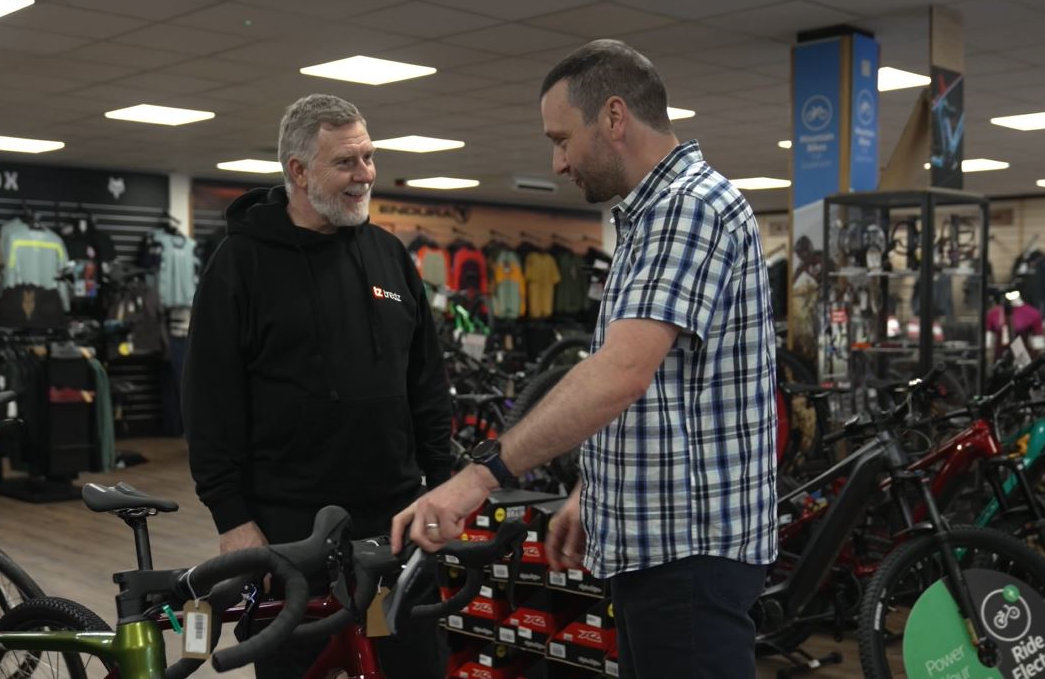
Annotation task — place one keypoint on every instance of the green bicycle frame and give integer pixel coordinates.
(1035, 451)
(135, 648)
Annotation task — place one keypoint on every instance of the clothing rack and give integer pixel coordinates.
(498, 234)
(459, 232)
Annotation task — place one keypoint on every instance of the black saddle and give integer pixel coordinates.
(122, 496)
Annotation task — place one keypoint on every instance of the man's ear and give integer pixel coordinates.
(297, 172)
(615, 112)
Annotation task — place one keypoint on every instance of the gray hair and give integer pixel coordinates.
(605, 68)
(299, 128)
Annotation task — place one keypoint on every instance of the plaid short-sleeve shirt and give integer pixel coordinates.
(689, 468)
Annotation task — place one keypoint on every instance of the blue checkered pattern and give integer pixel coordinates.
(689, 468)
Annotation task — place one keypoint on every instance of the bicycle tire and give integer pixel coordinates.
(914, 558)
(15, 584)
(55, 614)
(565, 469)
(551, 356)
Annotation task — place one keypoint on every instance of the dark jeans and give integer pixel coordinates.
(687, 618)
(420, 651)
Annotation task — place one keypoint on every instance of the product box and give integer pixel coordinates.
(449, 579)
(483, 614)
(470, 534)
(504, 504)
(536, 621)
(587, 644)
(578, 580)
(611, 669)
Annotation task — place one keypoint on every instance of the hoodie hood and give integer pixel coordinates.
(262, 214)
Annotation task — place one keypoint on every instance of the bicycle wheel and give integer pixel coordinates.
(564, 471)
(15, 584)
(50, 613)
(566, 352)
(911, 569)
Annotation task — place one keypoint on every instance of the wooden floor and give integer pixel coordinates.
(72, 552)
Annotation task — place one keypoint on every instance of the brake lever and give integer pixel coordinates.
(245, 627)
(514, 568)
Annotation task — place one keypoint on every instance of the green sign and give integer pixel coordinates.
(936, 642)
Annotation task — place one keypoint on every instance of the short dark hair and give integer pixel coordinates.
(605, 68)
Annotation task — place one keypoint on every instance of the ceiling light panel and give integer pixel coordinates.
(159, 115)
(368, 70)
(680, 113)
(1025, 122)
(9, 6)
(417, 144)
(983, 165)
(784, 144)
(442, 183)
(251, 165)
(20, 145)
(760, 183)
(894, 79)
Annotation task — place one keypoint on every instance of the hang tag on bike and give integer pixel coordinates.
(439, 301)
(196, 637)
(376, 624)
(1020, 355)
(474, 344)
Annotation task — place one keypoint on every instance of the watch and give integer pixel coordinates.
(488, 454)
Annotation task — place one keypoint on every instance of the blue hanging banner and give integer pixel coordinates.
(863, 154)
(816, 149)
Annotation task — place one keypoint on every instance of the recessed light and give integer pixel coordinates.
(445, 183)
(784, 144)
(9, 6)
(19, 145)
(890, 78)
(679, 113)
(983, 165)
(1041, 183)
(367, 70)
(416, 144)
(1025, 122)
(251, 165)
(757, 183)
(159, 115)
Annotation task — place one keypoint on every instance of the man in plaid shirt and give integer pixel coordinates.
(675, 406)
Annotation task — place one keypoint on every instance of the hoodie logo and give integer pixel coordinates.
(386, 294)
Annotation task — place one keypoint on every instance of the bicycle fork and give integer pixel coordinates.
(986, 648)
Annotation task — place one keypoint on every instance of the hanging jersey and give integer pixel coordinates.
(176, 278)
(32, 256)
(509, 286)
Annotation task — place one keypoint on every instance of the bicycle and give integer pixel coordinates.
(810, 587)
(55, 631)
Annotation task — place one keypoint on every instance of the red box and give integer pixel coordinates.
(482, 614)
(611, 669)
(535, 622)
(504, 504)
(578, 580)
(534, 567)
(583, 645)
(449, 579)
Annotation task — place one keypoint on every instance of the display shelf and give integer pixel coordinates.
(563, 661)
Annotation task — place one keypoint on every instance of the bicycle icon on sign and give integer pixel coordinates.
(1005, 615)
(817, 112)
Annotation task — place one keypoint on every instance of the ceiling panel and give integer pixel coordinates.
(168, 83)
(782, 20)
(678, 38)
(184, 39)
(153, 11)
(512, 10)
(599, 20)
(71, 21)
(509, 69)
(333, 42)
(512, 39)
(687, 9)
(423, 20)
(212, 68)
(439, 55)
(37, 42)
(249, 21)
(327, 10)
(82, 71)
(25, 79)
(128, 56)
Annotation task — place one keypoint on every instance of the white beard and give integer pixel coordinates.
(335, 210)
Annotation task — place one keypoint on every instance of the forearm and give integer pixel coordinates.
(587, 399)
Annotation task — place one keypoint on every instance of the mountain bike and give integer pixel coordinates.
(49, 634)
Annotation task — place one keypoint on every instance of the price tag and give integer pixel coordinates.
(557, 650)
(525, 633)
(196, 639)
(611, 669)
(474, 344)
(1020, 355)
(500, 571)
(452, 559)
(483, 521)
(439, 301)
(486, 592)
(594, 620)
(376, 624)
(485, 660)
(576, 574)
(455, 621)
(506, 635)
(556, 578)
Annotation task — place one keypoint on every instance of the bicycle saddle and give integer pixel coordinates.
(122, 496)
(6, 397)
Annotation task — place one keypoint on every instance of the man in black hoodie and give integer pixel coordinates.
(313, 374)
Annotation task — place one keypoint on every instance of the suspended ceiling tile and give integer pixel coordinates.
(678, 38)
(515, 93)
(128, 56)
(687, 9)
(511, 10)
(83, 71)
(327, 10)
(168, 83)
(513, 39)
(214, 69)
(118, 96)
(152, 11)
(250, 21)
(447, 82)
(37, 42)
(181, 39)
(745, 54)
(781, 20)
(1034, 54)
(25, 79)
(599, 20)
(71, 21)
(423, 20)
(332, 43)
(439, 55)
(509, 69)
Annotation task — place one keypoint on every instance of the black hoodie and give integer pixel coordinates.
(313, 374)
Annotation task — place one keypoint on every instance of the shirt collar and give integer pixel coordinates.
(680, 157)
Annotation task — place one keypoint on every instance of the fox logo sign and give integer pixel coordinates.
(386, 294)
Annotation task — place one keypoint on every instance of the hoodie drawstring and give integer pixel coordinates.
(318, 319)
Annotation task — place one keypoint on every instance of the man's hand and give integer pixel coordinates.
(566, 540)
(241, 537)
(439, 515)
